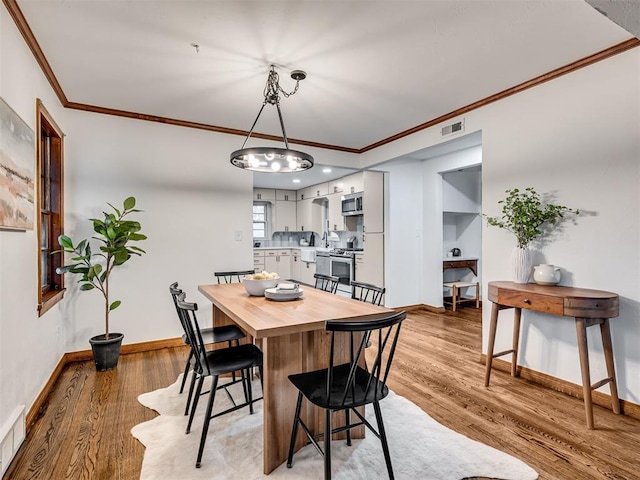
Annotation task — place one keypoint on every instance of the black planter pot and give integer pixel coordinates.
(106, 352)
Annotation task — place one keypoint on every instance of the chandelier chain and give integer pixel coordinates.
(273, 88)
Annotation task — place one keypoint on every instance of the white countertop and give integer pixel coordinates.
(457, 259)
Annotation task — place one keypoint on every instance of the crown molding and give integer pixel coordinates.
(29, 37)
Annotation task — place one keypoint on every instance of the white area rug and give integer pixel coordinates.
(420, 447)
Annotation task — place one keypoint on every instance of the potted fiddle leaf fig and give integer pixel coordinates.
(528, 217)
(113, 234)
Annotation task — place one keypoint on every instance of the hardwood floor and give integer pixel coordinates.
(84, 431)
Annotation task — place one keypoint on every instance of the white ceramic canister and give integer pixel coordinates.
(546, 274)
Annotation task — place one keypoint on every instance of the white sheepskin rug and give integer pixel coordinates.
(420, 447)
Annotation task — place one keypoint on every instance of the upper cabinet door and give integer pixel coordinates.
(286, 195)
(336, 186)
(336, 220)
(373, 202)
(285, 216)
(264, 194)
(353, 183)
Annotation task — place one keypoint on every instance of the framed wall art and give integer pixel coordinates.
(17, 171)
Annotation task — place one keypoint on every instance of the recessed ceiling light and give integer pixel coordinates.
(326, 170)
(296, 180)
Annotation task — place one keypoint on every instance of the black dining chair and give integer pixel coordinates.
(328, 283)
(214, 363)
(224, 333)
(232, 277)
(367, 292)
(349, 385)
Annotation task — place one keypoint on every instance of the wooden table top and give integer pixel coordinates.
(261, 317)
(554, 290)
(565, 301)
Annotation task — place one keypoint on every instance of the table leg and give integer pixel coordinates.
(492, 339)
(517, 315)
(282, 357)
(608, 357)
(581, 332)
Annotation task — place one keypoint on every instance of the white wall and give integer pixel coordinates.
(579, 137)
(30, 346)
(403, 234)
(193, 199)
(462, 191)
(413, 255)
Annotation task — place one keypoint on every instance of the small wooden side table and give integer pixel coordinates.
(453, 262)
(588, 307)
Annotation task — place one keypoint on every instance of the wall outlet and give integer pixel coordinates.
(238, 235)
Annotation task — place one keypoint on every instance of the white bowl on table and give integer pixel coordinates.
(257, 287)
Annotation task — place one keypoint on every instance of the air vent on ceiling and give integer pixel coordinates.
(453, 128)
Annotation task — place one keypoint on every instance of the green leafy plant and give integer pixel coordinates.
(525, 215)
(114, 233)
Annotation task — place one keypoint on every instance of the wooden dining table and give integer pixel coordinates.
(293, 339)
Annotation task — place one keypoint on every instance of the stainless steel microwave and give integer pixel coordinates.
(352, 204)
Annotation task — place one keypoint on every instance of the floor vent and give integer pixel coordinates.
(11, 437)
(452, 128)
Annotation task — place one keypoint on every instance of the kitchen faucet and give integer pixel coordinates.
(325, 242)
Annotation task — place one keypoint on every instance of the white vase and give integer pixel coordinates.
(520, 264)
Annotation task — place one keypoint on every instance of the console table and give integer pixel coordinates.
(588, 307)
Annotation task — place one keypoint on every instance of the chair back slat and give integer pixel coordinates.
(232, 277)
(328, 283)
(188, 311)
(367, 292)
(362, 381)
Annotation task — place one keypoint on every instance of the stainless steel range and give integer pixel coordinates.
(338, 262)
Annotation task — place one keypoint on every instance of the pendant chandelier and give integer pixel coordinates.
(271, 159)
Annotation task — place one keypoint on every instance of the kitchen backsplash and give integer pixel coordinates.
(292, 239)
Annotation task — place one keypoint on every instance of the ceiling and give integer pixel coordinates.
(374, 68)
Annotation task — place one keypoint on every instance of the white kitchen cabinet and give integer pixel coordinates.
(296, 265)
(278, 261)
(353, 183)
(314, 191)
(319, 190)
(307, 271)
(264, 194)
(336, 186)
(302, 194)
(336, 220)
(309, 215)
(373, 202)
(285, 216)
(304, 214)
(370, 263)
(258, 261)
(285, 195)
